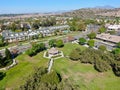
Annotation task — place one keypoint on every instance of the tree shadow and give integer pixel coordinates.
(2, 75)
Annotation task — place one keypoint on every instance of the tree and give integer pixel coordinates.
(36, 48)
(91, 43)
(73, 26)
(8, 57)
(1, 41)
(1, 61)
(75, 55)
(30, 52)
(51, 78)
(81, 26)
(13, 27)
(116, 69)
(118, 45)
(35, 25)
(52, 43)
(117, 57)
(82, 41)
(59, 43)
(8, 54)
(92, 35)
(116, 51)
(101, 66)
(102, 47)
(102, 29)
(34, 80)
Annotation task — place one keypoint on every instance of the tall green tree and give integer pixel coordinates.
(91, 43)
(8, 54)
(8, 57)
(52, 43)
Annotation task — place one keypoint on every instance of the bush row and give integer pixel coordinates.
(36, 48)
(102, 61)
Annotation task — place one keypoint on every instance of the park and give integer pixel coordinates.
(82, 75)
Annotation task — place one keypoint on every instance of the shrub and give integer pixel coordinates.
(112, 32)
(59, 43)
(117, 57)
(74, 55)
(118, 45)
(30, 52)
(101, 66)
(52, 43)
(116, 69)
(92, 35)
(36, 48)
(102, 47)
(102, 29)
(89, 56)
(116, 51)
(33, 81)
(51, 78)
(82, 41)
(91, 43)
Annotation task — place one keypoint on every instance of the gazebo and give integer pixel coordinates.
(53, 51)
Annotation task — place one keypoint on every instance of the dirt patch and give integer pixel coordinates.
(88, 77)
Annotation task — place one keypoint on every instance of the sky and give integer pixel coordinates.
(29, 6)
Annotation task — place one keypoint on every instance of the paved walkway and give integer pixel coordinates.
(50, 65)
(10, 66)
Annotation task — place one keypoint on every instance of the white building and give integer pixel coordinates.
(114, 27)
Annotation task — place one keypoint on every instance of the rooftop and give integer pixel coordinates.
(116, 27)
(108, 37)
(53, 51)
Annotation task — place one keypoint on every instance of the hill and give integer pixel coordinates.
(93, 12)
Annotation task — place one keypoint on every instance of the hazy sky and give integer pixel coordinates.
(25, 6)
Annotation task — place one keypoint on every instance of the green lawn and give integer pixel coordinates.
(18, 74)
(69, 47)
(85, 75)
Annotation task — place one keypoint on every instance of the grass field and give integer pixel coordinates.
(18, 74)
(85, 75)
(67, 49)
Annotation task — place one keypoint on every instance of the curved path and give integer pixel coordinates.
(10, 66)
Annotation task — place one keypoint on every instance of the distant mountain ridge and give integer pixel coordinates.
(105, 7)
(94, 12)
